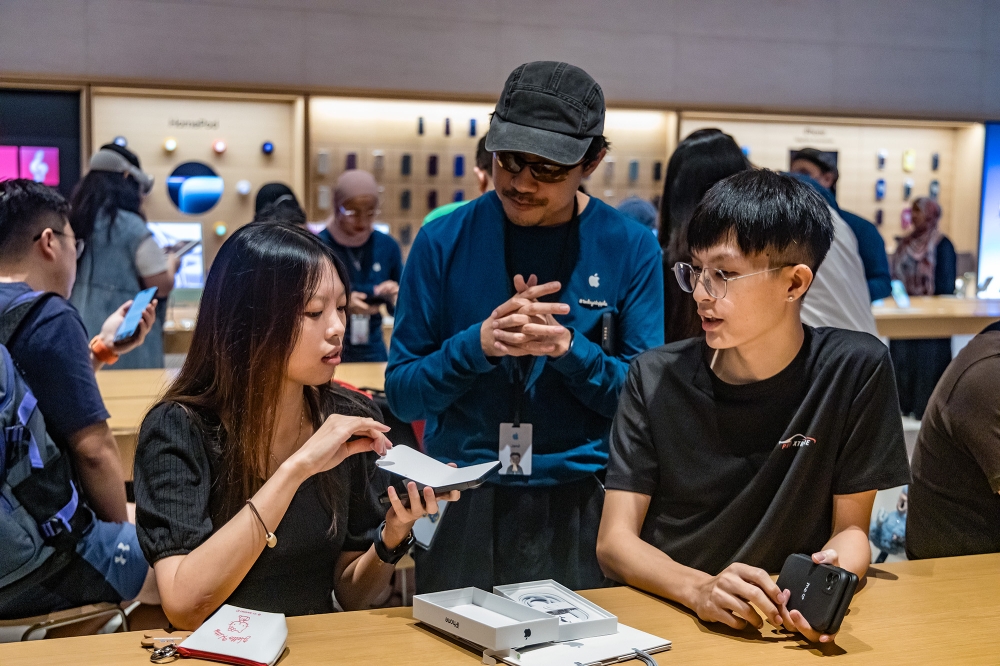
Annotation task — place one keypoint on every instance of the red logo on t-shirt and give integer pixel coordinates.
(796, 441)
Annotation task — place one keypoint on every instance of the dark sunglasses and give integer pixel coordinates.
(543, 172)
(79, 242)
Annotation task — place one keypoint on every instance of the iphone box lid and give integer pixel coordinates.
(578, 618)
(489, 620)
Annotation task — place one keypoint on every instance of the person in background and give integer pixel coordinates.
(501, 319)
(763, 439)
(701, 160)
(871, 246)
(276, 202)
(121, 257)
(955, 492)
(38, 253)
(641, 211)
(838, 296)
(374, 264)
(248, 490)
(925, 262)
(484, 176)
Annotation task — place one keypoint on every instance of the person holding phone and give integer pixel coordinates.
(255, 477)
(762, 439)
(38, 254)
(121, 257)
(373, 260)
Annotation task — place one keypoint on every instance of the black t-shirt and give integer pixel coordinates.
(52, 352)
(954, 505)
(538, 251)
(715, 502)
(752, 417)
(179, 501)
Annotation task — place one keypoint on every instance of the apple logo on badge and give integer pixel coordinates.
(594, 280)
(514, 436)
(527, 633)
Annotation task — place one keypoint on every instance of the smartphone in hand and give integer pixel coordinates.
(821, 592)
(133, 317)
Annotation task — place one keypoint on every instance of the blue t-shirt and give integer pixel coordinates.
(378, 260)
(52, 352)
(456, 275)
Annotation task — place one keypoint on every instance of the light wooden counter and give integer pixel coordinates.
(925, 612)
(935, 317)
(128, 395)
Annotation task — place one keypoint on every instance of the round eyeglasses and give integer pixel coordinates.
(713, 279)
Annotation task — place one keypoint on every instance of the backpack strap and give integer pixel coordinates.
(17, 311)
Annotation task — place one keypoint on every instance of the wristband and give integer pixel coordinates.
(396, 554)
(102, 352)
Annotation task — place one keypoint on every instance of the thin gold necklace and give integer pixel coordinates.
(298, 435)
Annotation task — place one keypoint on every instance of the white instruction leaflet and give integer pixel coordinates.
(426, 471)
(589, 651)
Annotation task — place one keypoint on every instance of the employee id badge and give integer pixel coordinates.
(515, 449)
(359, 329)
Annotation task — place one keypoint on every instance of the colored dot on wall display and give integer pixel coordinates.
(267, 148)
(220, 229)
(120, 141)
(170, 144)
(219, 146)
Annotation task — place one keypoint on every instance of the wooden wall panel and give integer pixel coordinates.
(146, 119)
(341, 126)
(857, 142)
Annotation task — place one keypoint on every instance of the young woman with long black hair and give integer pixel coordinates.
(252, 438)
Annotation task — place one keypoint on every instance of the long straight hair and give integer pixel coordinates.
(701, 160)
(248, 324)
(102, 192)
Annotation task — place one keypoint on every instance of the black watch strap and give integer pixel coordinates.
(396, 554)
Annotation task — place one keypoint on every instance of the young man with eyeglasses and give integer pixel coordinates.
(38, 253)
(374, 263)
(764, 438)
(517, 317)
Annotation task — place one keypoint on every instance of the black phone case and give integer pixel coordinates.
(821, 592)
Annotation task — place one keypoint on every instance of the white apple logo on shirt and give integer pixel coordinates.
(595, 280)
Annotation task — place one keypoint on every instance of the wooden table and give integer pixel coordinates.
(924, 612)
(128, 395)
(935, 317)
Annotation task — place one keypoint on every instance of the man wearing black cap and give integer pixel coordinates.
(516, 320)
(813, 163)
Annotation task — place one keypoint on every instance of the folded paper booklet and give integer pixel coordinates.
(410, 464)
(238, 636)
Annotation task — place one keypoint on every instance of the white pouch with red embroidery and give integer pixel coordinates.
(238, 636)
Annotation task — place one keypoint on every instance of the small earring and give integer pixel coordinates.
(791, 298)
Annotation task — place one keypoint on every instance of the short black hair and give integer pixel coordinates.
(23, 204)
(817, 158)
(763, 211)
(597, 144)
(484, 158)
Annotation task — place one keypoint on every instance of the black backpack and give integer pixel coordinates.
(41, 511)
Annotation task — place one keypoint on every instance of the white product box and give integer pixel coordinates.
(485, 619)
(578, 618)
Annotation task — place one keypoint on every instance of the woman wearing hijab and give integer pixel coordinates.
(925, 262)
(374, 264)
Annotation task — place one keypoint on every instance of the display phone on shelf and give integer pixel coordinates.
(130, 324)
(821, 592)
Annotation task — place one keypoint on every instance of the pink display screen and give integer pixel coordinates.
(8, 162)
(40, 164)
